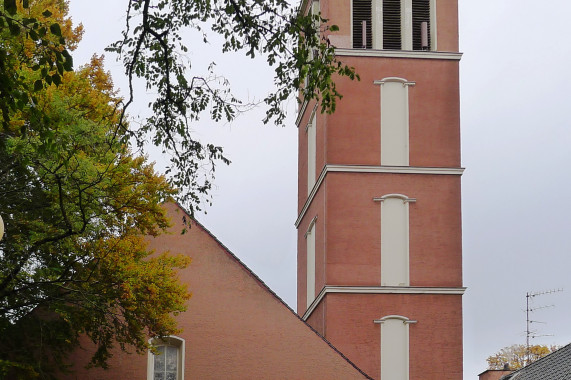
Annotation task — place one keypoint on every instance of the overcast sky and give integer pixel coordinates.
(516, 138)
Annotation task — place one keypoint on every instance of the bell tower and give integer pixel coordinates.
(379, 212)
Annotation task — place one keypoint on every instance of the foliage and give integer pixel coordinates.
(76, 203)
(32, 38)
(516, 356)
(76, 199)
(153, 48)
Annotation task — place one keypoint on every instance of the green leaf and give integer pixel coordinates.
(33, 35)
(55, 29)
(14, 29)
(68, 63)
(26, 4)
(56, 79)
(10, 6)
(47, 13)
(38, 85)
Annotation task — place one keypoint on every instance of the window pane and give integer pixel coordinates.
(160, 360)
(159, 376)
(171, 359)
(171, 376)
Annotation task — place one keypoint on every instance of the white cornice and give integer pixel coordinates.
(399, 54)
(371, 169)
(394, 169)
(380, 290)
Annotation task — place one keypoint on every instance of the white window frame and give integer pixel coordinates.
(395, 240)
(395, 120)
(310, 262)
(311, 131)
(173, 341)
(395, 347)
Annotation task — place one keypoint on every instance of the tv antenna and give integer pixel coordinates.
(529, 333)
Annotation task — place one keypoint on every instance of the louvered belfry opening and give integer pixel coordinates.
(362, 12)
(392, 33)
(420, 14)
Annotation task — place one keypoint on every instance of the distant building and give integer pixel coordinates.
(555, 366)
(494, 374)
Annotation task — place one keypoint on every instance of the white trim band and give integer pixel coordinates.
(394, 169)
(380, 290)
(371, 169)
(399, 54)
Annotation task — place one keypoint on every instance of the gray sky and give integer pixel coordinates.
(516, 135)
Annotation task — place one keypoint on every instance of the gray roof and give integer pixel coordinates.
(555, 366)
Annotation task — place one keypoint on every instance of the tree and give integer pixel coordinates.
(32, 38)
(516, 356)
(153, 49)
(77, 202)
(75, 197)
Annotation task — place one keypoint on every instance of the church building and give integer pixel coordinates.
(379, 227)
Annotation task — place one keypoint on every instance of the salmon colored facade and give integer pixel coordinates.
(235, 327)
(345, 211)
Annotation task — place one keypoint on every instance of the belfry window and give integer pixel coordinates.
(421, 25)
(362, 24)
(392, 20)
(394, 24)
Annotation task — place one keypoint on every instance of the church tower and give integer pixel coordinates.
(379, 221)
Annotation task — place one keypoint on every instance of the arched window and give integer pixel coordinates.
(167, 362)
(395, 239)
(394, 347)
(311, 150)
(310, 242)
(394, 121)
